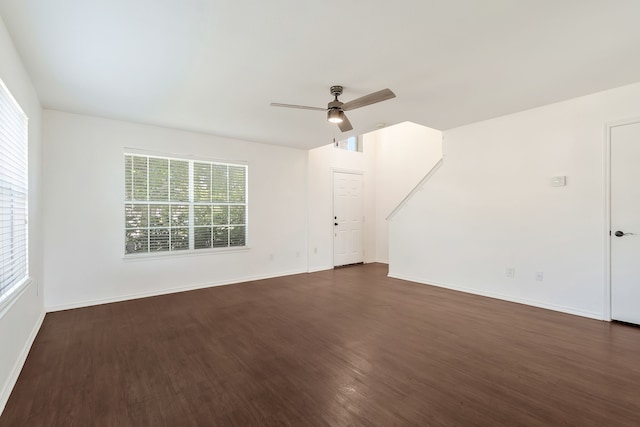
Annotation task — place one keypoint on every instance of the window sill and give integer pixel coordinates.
(183, 254)
(8, 298)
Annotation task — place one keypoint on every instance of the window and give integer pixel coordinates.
(176, 205)
(14, 269)
(353, 143)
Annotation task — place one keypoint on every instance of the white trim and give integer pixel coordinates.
(181, 156)
(148, 256)
(8, 386)
(606, 297)
(554, 307)
(607, 210)
(16, 104)
(343, 170)
(417, 188)
(15, 153)
(317, 269)
(11, 295)
(168, 291)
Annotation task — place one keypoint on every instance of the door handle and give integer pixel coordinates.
(622, 233)
(335, 223)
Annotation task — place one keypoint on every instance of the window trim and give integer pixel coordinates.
(192, 251)
(8, 298)
(11, 293)
(186, 253)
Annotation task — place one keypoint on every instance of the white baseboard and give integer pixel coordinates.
(166, 291)
(316, 269)
(331, 267)
(554, 307)
(17, 367)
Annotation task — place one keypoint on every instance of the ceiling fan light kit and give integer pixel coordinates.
(335, 109)
(335, 115)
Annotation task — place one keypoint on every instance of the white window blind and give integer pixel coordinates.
(13, 193)
(179, 205)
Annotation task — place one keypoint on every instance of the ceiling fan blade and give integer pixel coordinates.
(302, 107)
(372, 98)
(345, 124)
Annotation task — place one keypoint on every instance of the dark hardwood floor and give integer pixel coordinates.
(348, 347)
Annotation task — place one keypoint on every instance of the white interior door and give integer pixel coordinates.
(347, 220)
(625, 223)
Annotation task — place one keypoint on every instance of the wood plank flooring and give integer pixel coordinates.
(346, 347)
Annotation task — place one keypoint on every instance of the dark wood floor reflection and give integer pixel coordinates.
(348, 347)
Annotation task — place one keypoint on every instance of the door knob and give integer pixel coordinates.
(335, 223)
(622, 233)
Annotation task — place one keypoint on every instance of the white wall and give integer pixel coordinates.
(84, 217)
(393, 161)
(491, 206)
(21, 318)
(405, 153)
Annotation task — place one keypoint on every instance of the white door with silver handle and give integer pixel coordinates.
(625, 223)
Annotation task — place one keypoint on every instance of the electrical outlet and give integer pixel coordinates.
(539, 276)
(511, 272)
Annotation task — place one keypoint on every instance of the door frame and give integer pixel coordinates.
(333, 200)
(607, 210)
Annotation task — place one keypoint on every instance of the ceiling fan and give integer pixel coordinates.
(335, 109)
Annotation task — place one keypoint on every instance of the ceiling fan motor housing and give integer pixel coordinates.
(335, 104)
(336, 90)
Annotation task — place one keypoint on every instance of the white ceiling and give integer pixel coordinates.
(215, 65)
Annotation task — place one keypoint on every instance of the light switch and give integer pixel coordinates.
(558, 181)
